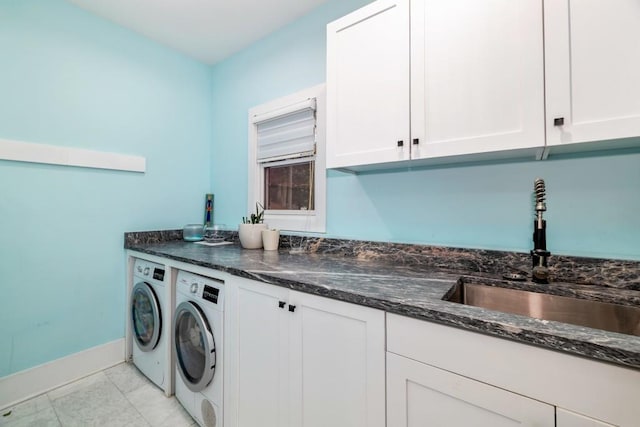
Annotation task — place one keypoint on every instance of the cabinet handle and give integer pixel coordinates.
(281, 304)
(400, 143)
(558, 121)
(416, 141)
(292, 308)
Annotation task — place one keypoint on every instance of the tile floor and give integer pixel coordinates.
(118, 396)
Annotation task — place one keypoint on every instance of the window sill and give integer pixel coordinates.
(296, 222)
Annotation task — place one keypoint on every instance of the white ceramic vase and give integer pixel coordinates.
(251, 235)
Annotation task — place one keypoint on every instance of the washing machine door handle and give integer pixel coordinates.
(194, 345)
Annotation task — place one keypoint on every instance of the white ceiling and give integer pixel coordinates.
(208, 30)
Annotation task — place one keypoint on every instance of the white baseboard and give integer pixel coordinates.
(34, 381)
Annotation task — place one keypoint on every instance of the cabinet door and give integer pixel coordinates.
(420, 395)
(337, 364)
(477, 82)
(368, 85)
(566, 418)
(258, 362)
(592, 54)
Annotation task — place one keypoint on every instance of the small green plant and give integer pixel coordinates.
(255, 218)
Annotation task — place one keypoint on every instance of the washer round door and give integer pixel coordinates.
(194, 345)
(145, 317)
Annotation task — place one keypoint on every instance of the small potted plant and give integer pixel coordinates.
(250, 231)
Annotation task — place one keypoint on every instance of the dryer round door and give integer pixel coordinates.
(145, 316)
(194, 345)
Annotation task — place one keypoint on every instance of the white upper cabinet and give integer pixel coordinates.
(592, 54)
(368, 85)
(449, 78)
(477, 82)
(453, 80)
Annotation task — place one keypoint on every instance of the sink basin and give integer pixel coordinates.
(594, 314)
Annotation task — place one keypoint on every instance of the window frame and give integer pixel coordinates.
(289, 220)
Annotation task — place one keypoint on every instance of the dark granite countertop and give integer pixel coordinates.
(412, 289)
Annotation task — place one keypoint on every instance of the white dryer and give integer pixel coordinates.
(198, 335)
(147, 305)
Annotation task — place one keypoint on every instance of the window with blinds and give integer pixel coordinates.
(287, 160)
(286, 146)
(288, 133)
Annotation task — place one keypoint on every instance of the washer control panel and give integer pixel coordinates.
(208, 289)
(148, 270)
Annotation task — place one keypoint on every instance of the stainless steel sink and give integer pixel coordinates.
(594, 314)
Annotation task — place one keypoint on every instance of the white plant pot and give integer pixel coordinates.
(251, 235)
(270, 239)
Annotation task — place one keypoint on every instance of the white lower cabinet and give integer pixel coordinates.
(257, 341)
(300, 360)
(443, 376)
(566, 418)
(420, 395)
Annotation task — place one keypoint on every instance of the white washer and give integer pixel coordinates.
(147, 305)
(198, 330)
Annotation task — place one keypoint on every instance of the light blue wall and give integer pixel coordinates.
(593, 201)
(70, 78)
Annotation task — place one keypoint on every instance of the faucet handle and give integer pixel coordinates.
(540, 274)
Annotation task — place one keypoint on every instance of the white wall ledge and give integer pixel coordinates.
(20, 151)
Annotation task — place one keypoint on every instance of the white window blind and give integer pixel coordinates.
(287, 132)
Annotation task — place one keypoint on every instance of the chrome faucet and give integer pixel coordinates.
(539, 254)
